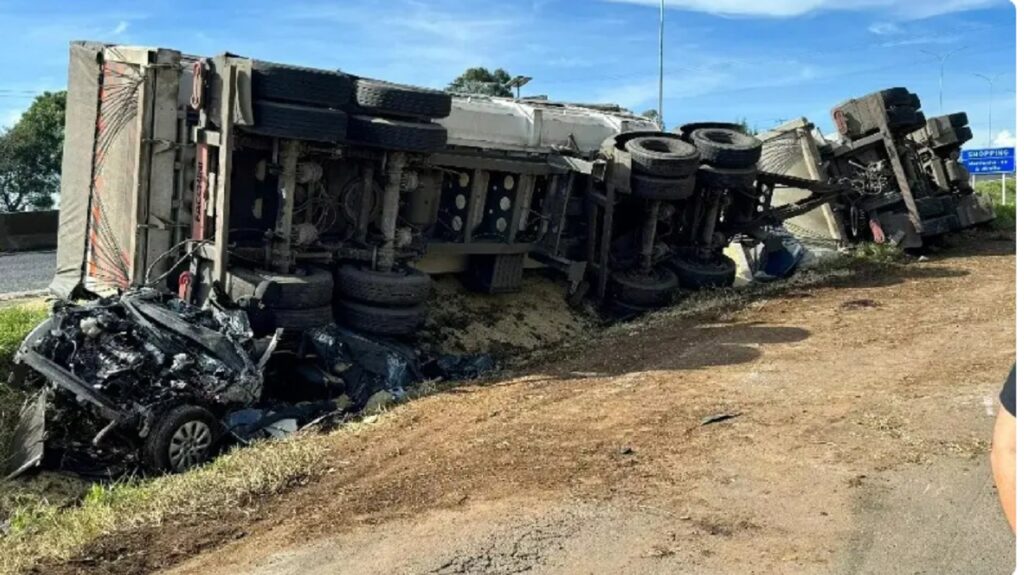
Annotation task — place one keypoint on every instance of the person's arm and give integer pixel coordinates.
(1004, 463)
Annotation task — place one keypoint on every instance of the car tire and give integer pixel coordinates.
(397, 134)
(387, 99)
(652, 290)
(658, 188)
(695, 274)
(378, 320)
(294, 320)
(184, 437)
(298, 85)
(724, 148)
(298, 122)
(293, 291)
(403, 287)
(712, 178)
(663, 156)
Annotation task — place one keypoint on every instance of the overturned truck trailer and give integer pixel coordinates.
(311, 194)
(908, 186)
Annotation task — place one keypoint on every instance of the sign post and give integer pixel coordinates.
(990, 161)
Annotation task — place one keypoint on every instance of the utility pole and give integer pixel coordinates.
(942, 69)
(991, 95)
(661, 67)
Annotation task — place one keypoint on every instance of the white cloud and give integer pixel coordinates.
(885, 28)
(920, 41)
(120, 28)
(1004, 139)
(898, 9)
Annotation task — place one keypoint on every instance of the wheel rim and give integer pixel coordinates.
(190, 445)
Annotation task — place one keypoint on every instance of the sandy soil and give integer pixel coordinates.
(860, 419)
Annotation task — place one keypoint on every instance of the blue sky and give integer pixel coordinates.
(762, 60)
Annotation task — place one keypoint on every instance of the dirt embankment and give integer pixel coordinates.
(828, 398)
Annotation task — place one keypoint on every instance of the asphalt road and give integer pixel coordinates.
(26, 271)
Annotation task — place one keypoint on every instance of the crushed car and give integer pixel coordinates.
(145, 380)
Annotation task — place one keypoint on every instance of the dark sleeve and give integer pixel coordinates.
(1009, 394)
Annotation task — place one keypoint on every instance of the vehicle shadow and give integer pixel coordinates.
(687, 346)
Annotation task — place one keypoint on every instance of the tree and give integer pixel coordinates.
(482, 81)
(30, 155)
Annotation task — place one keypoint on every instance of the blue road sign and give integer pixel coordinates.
(989, 161)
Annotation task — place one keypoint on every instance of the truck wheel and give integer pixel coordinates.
(658, 188)
(184, 437)
(663, 156)
(964, 134)
(905, 118)
(725, 148)
(387, 99)
(397, 134)
(897, 96)
(404, 286)
(298, 85)
(298, 122)
(387, 321)
(712, 178)
(694, 274)
(293, 291)
(958, 119)
(645, 290)
(300, 319)
(686, 130)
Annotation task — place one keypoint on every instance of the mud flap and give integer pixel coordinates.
(27, 444)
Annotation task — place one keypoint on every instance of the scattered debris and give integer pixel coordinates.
(719, 418)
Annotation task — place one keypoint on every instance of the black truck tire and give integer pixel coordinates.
(663, 156)
(658, 188)
(298, 85)
(376, 320)
(300, 319)
(648, 291)
(958, 119)
(293, 291)
(298, 122)
(724, 148)
(712, 178)
(964, 134)
(896, 96)
(687, 130)
(905, 118)
(184, 437)
(397, 134)
(403, 287)
(693, 274)
(387, 99)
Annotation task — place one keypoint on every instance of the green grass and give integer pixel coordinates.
(15, 323)
(42, 532)
(1006, 215)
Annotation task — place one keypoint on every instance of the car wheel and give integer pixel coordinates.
(182, 438)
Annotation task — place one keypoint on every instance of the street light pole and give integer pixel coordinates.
(942, 69)
(991, 95)
(661, 67)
